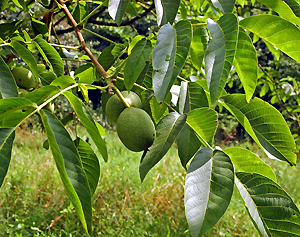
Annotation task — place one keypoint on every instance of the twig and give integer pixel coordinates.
(100, 36)
(278, 96)
(82, 42)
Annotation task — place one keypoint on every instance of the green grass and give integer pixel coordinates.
(33, 201)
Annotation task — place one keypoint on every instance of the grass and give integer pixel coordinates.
(33, 201)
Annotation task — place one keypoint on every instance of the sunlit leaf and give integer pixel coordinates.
(208, 189)
(264, 124)
(246, 161)
(272, 210)
(280, 33)
(246, 63)
(197, 96)
(204, 122)
(85, 73)
(198, 45)
(283, 9)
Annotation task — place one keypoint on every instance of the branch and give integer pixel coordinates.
(253, 7)
(82, 42)
(124, 23)
(103, 23)
(278, 96)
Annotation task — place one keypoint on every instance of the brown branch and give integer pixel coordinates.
(103, 23)
(253, 7)
(82, 42)
(124, 23)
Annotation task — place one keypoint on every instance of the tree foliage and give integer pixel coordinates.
(180, 69)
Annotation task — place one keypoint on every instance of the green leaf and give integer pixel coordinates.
(246, 63)
(247, 161)
(14, 110)
(39, 27)
(134, 41)
(183, 30)
(80, 11)
(196, 96)
(90, 163)
(283, 9)
(166, 11)
(264, 124)
(166, 132)
(7, 136)
(294, 5)
(158, 110)
(70, 168)
(8, 86)
(198, 45)
(204, 121)
(88, 122)
(85, 73)
(50, 55)
(6, 29)
(26, 55)
(47, 77)
(117, 9)
(219, 57)
(188, 144)
(226, 6)
(280, 33)
(208, 189)
(109, 55)
(271, 209)
(136, 62)
(42, 94)
(63, 82)
(163, 57)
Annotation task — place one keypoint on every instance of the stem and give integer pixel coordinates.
(135, 84)
(81, 40)
(100, 36)
(117, 91)
(102, 88)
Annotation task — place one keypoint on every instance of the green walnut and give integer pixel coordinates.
(24, 78)
(136, 129)
(115, 106)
